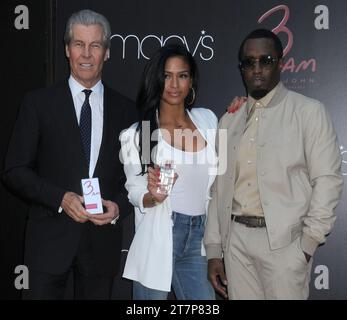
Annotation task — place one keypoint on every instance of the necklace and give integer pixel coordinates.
(179, 126)
(175, 124)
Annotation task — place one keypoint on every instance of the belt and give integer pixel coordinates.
(250, 222)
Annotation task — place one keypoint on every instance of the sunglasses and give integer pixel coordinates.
(264, 62)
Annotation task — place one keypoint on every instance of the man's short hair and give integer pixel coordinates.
(88, 17)
(263, 33)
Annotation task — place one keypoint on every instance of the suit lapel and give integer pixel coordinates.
(68, 110)
(69, 124)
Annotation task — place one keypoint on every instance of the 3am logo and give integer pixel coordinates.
(296, 78)
(321, 22)
(281, 28)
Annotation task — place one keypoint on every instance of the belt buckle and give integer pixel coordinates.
(250, 224)
(260, 223)
(254, 223)
(257, 223)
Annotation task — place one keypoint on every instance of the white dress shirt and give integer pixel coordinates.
(96, 100)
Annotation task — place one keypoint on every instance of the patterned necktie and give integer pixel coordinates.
(86, 125)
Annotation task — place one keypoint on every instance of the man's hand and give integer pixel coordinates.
(72, 206)
(216, 275)
(105, 218)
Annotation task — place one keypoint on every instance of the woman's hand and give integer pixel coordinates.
(236, 104)
(153, 178)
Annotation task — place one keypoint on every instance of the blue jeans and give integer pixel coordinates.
(189, 277)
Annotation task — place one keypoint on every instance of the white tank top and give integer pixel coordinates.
(188, 195)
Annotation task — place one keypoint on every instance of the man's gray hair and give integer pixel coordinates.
(88, 17)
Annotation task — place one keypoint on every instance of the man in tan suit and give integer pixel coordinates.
(275, 203)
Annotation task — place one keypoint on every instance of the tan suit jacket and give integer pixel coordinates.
(298, 171)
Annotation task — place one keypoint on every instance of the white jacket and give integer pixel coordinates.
(149, 259)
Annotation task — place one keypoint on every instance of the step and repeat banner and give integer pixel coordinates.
(313, 34)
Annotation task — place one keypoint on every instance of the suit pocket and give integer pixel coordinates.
(301, 254)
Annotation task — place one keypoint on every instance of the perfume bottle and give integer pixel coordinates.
(167, 174)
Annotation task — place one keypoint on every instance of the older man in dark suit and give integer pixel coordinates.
(63, 134)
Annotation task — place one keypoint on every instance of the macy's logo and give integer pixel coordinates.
(202, 47)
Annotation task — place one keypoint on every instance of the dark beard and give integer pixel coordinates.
(259, 93)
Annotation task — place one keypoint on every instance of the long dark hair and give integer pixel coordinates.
(151, 90)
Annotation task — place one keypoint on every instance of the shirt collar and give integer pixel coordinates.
(264, 101)
(76, 88)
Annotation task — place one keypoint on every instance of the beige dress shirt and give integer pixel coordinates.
(246, 199)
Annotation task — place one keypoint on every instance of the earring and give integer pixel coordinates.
(193, 97)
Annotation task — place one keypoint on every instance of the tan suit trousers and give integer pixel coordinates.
(256, 272)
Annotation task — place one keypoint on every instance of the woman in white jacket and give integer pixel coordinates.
(167, 248)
